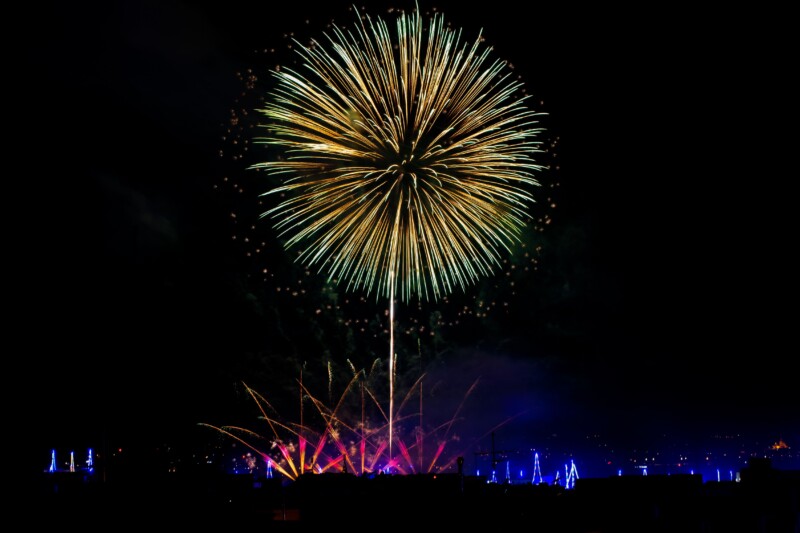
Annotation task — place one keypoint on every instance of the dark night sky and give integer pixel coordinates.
(670, 234)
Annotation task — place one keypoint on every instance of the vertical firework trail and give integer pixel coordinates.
(406, 161)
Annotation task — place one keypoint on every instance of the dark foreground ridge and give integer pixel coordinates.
(764, 500)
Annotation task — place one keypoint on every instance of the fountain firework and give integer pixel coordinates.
(341, 438)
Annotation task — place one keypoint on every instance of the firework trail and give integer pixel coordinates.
(407, 161)
(358, 446)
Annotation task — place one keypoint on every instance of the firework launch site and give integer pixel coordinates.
(762, 498)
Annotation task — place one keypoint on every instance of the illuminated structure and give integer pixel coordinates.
(571, 475)
(71, 467)
(537, 472)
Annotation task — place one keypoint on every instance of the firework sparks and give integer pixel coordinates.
(359, 446)
(407, 160)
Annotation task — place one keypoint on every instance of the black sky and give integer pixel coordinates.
(670, 232)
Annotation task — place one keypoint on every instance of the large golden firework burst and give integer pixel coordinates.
(407, 161)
